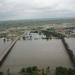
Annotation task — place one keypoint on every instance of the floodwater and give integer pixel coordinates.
(3, 45)
(71, 43)
(37, 52)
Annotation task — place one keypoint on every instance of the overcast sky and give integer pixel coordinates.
(31, 9)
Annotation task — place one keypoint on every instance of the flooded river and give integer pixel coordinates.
(37, 52)
(4, 45)
(71, 43)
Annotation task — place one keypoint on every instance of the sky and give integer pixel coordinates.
(35, 9)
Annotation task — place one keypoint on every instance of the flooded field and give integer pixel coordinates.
(3, 45)
(35, 51)
(71, 43)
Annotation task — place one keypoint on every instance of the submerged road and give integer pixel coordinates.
(7, 51)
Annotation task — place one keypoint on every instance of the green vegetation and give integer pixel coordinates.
(64, 71)
(22, 71)
(29, 70)
(3, 35)
(51, 33)
(34, 70)
(17, 23)
(1, 73)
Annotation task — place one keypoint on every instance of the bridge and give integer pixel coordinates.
(7, 51)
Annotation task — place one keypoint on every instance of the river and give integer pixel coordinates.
(37, 52)
(71, 43)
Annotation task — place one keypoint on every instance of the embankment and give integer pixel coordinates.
(69, 51)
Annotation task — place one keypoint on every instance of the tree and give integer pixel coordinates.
(22, 71)
(61, 71)
(8, 71)
(64, 71)
(1, 73)
(48, 70)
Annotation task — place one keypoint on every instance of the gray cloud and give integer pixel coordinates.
(28, 9)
